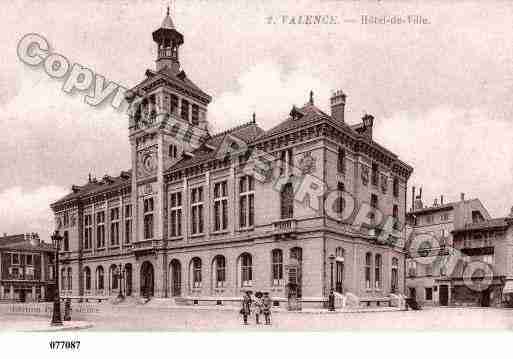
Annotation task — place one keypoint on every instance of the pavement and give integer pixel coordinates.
(39, 324)
(109, 317)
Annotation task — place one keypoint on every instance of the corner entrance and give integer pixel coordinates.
(147, 280)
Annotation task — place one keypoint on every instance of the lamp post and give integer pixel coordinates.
(56, 316)
(331, 297)
(120, 277)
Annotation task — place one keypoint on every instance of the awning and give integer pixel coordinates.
(508, 287)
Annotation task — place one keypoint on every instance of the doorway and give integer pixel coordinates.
(176, 278)
(485, 298)
(147, 280)
(443, 293)
(128, 279)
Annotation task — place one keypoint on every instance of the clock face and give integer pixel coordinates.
(149, 163)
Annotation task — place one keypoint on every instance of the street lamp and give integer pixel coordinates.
(56, 317)
(331, 297)
(120, 277)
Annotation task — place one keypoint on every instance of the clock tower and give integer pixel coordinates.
(167, 122)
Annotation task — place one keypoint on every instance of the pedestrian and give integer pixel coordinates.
(246, 307)
(266, 308)
(257, 304)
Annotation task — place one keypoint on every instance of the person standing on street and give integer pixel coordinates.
(246, 307)
(258, 306)
(266, 308)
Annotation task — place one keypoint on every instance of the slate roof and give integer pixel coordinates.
(18, 242)
(179, 78)
(247, 132)
(105, 184)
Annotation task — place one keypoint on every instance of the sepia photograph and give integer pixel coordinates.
(248, 167)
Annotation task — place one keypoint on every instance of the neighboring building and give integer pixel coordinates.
(488, 245)
(427, 275)
(188, 221)
(26, 268)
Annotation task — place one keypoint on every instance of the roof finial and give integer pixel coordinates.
(167, 13)
(311, 97)
(90, 179)
(254, 118)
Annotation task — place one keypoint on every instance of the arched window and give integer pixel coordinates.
(70, 279)
(246, 269)
(368, 264)
(112, 277)
(99, 278)
(287, 201)
(339, 278)
(377, 271)
(277, 266)
(87, 278)
(219, 271)
(395, 275)
(196, 272)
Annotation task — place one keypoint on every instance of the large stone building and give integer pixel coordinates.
(26, 268)
(205, 217)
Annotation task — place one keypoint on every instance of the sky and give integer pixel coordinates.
(440, 92)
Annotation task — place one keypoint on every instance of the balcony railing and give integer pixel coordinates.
(285, 225)
(145, 245)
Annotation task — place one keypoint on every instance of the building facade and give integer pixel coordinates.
(438, 254)
(26, 268)
(205, 217)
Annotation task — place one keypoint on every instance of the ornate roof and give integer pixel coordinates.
(167, 23)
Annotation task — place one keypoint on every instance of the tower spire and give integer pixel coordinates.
(168, 42)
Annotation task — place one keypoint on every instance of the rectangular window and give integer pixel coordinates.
(114, 226)
(395, 214)
(429, 293)
(368, 264)
(15, 259)
(174, 104)
(374, 201)
(65, 219)
(100, 229)
(341, 161)
(185, 110)
(128, 223)
(246, 202)
(148, 218)
(29, 260)
(396, 187)
(197, 210)
(88, 231)
(176, 214)
(340, 201)
(286, 161)
(377, 271)
(195, 115)
(221, 206)
(375, 174)
(277, 255)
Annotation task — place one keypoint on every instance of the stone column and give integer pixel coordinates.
(1, 291)
(43, 294)
(34, 293)
(11, 292)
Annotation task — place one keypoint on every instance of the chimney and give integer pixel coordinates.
(462, 196)
(435, 203)
(441, 200)
(420, 193)
(338, 103)
(368, 123)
